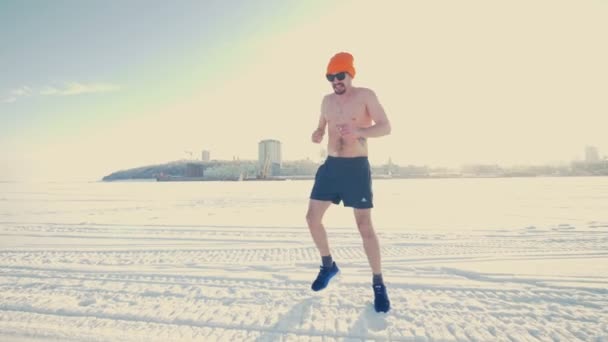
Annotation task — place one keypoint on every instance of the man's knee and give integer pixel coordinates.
(364, 224)
(313, 218)
(366, 231)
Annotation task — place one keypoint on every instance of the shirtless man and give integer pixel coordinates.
(351, 115)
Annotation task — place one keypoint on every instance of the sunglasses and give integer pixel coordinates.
(340, 76)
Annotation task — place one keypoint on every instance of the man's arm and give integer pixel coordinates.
(382, 125)
(317, 135)
(322, 123)
(322, 119)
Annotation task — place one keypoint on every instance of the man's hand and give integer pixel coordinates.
(349, 133)
(317, 135)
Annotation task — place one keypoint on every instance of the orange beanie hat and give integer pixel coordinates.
(340, 62)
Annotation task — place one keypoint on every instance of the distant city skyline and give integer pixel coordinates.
(271, 165)
(272, 148)
(91, 87)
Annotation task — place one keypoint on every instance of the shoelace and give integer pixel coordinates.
(325, 269)
(378, 290)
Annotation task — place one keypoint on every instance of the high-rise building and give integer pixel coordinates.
(591, 154)
(269, 156)
(206, 156)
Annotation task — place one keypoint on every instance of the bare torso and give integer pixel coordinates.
(348, 110)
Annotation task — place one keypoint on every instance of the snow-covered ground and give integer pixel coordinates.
(463, 259)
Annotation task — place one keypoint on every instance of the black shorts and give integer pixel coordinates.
(344, 179)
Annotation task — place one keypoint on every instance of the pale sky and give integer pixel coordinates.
(88, 88)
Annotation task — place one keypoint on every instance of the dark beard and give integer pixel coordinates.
(339, 92)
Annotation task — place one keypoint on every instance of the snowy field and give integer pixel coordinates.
(463, 260)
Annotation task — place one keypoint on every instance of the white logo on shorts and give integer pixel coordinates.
(363, 199)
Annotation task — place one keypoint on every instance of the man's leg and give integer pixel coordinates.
(372, 250)
(314, 217)
(370, 240)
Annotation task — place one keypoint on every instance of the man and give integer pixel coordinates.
(351, 115)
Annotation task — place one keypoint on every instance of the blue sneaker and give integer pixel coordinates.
(381, 302)
(325, 275)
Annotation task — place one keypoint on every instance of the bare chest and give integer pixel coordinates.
(342, 112)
